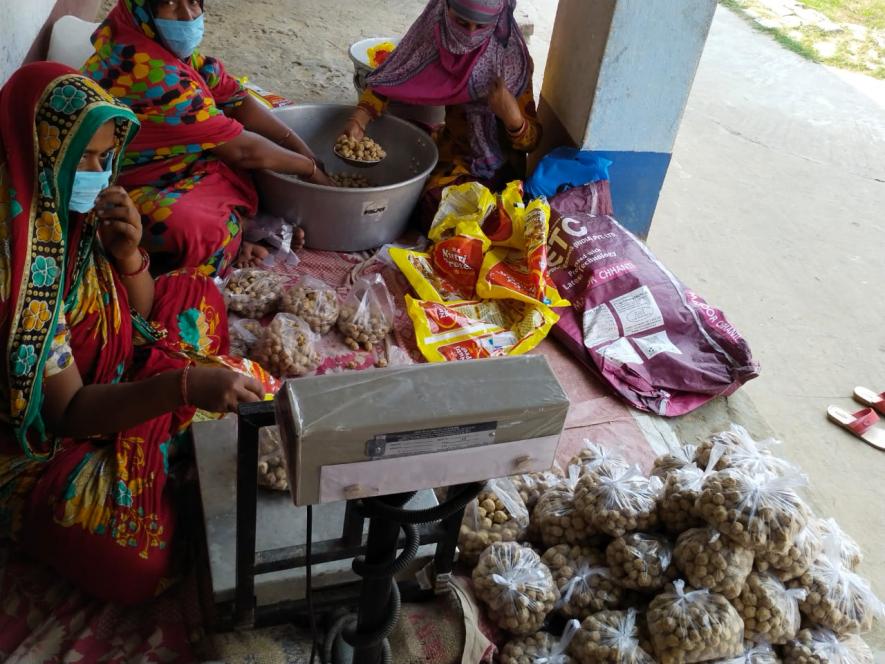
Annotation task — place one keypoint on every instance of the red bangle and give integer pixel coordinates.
(521, 130)
(184, 372)
(145, 263)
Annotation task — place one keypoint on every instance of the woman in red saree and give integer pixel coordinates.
(94, 400)
(187, 169)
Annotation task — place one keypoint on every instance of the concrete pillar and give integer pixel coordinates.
(617, 79)
(25, 26)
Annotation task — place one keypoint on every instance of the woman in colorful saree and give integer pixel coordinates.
(470, 56)
(201, 132)
(94, 401)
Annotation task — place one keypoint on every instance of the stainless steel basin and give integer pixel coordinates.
(337, 219)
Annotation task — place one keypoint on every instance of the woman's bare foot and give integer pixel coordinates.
(297, 238)
(251, 255)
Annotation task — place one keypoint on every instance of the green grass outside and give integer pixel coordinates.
(869, 13)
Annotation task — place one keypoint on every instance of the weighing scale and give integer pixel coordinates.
(364, 447)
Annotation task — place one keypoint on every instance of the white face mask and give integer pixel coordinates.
(182, 37)
(88, 185)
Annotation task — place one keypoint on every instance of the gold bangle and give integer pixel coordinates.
(283, 139)
(522, 128)
(314, 171)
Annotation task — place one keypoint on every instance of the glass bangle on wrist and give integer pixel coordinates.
(145, 263)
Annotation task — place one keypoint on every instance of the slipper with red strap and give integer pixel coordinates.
(870, 399)
(862, 424)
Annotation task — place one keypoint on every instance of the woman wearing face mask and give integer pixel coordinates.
(187, 170)
(94, 401)
(469, 56)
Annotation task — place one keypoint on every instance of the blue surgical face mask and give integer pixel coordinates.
(182, 37)
(88, 185)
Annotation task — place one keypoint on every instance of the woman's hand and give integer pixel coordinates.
(503, 104)
(220, 390)
(321, 178)
(353, 129)
(119, 226)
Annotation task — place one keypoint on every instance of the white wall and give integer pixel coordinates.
(20, 21)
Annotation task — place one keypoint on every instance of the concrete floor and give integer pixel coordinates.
(774, 210)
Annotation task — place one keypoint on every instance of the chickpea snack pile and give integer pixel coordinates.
(364, 149)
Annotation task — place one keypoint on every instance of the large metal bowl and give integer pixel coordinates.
(337, 219)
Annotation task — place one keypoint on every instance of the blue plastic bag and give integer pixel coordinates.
(565, 168)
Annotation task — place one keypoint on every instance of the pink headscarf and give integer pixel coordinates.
(439, 63)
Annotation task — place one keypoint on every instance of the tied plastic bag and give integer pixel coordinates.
(849, 550)
(593, 458)
(315, 302)
(680, 457)
(682, 489)
(611, 637)
(541, 648)
(740, 450)
(821, 646)
(557, 518)
(271, 464)
(641, 561)
(286, 347)
(709, 560)
(795, 561)
(244, 333)
(367, 312)
(516, 587)
(498, 514)
(837, 598)
(616, 503)
(693, 626)
(769, 610)
(253, 293)
(761, 512)
(756, 653)
(585, 584)
(531, 486)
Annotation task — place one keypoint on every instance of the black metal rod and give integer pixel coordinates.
(352, 531)
(444, 559)
(375, 595)
(292, 557)
(251, 418)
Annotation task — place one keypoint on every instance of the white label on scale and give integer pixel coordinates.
(426, 441)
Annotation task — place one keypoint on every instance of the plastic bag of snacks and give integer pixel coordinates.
(541, 648)
(641, 562)
(769, 610)
(619, 502)
(682, 489)
(849, 550)
(593, 458)
(837, 598)
(531, 486)
(367, 312)
(694, 626)
(286, 347)
(679, 457)
(516, 586)
(611, 637)
(497, 514)
(313, 301)
(271, 465)
(253, 293)
(244, 333)
(585, 584)
(557, 518)
(709, 560)
(755, 653)
(821, 646)
(795, 561)
(741, 450)
(761, 512)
